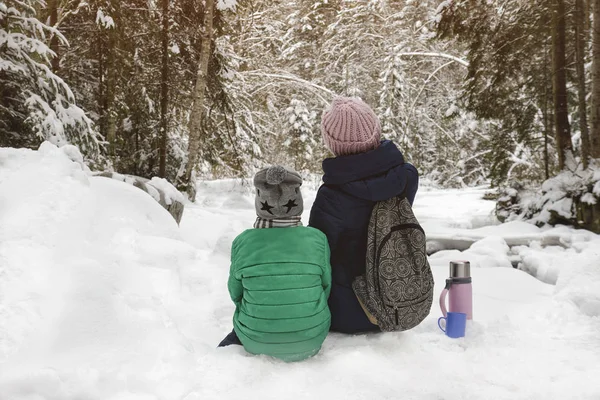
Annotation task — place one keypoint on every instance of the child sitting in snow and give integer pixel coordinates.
(280, 275)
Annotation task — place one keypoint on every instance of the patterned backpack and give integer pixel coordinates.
(397, 288)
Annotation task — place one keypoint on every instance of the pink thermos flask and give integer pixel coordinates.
(459, 289)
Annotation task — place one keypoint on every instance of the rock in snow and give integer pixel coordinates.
(160, 189)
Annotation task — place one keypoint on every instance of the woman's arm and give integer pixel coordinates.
(323, 216)
(412, 182)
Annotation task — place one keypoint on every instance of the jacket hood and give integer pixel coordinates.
(376, 175)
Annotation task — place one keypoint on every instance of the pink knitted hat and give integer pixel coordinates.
(349, 126)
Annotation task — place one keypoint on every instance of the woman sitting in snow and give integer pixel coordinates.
(280, 275)
(364, 171)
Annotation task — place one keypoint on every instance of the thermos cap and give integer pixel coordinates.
(460, 269)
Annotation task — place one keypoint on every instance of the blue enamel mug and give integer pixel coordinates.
(455, 324)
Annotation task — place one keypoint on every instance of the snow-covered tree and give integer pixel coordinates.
(275, 64)
(382, 51)
(230, 135)
(300, 132)
(302, 41)
(509, 81)
(35, 103)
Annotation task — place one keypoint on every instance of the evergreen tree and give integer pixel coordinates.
(580, 54)
(507, 82)
(138, 79)
(272, 62)
(559, 84)
(35, 103)
(300, 134)
(303, 40)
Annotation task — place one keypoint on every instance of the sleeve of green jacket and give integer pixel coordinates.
(326, 276)
(234, 285)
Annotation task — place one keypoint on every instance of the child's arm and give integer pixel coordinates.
(234, 284)
(326, 275)
(235, 287)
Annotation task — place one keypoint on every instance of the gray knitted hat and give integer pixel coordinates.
(278, 193)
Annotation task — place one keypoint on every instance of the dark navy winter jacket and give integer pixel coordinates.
(351, 187)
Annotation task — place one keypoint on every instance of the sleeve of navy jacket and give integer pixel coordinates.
(342, 208)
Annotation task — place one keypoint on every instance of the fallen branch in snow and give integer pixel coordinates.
(437, 243)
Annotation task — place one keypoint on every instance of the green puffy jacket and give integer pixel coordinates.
(280, 280)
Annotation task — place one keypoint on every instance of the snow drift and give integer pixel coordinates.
(104, 297)
(89, 269)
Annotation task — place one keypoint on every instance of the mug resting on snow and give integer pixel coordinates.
(278, 193)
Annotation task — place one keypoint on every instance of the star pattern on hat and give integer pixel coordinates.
(266, 207)
(290, 204)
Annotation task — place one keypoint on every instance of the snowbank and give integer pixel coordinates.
(570, 198)
(89, 270)
(103, 297)
(580, 284)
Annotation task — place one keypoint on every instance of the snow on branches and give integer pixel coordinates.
(39, 98)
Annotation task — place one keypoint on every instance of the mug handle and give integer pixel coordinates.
(440, 325)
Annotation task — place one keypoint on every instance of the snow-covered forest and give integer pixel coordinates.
(165, 88)
(110, 292)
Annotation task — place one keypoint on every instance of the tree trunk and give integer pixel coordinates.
(195, 124)
(101, 86)
(561, 112)
(111, 79)
(588, 12)
(164, 91)
(595, 131)
(546, 156)
(547, 129)
(546, 109)
(580, 45)
(55, 63)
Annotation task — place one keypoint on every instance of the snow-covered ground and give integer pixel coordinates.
(103, 296)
